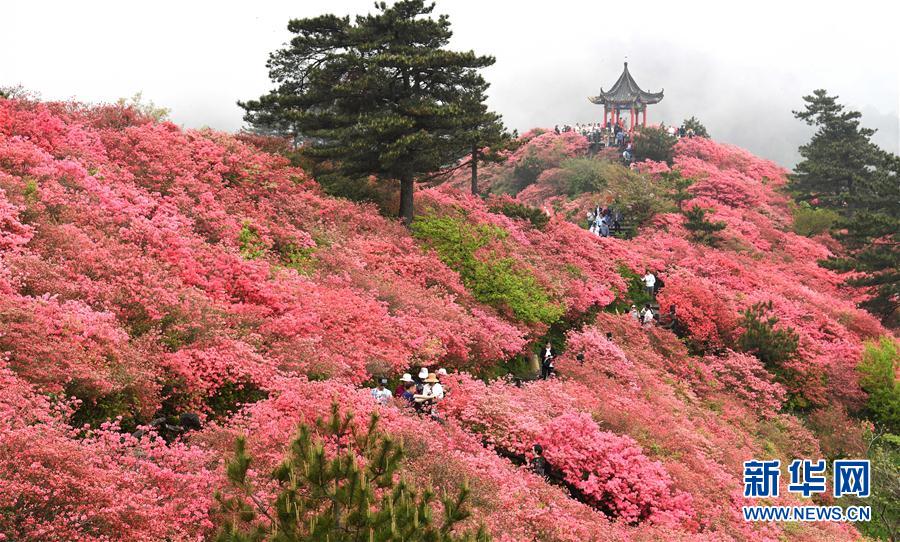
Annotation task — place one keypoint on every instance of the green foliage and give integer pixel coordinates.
(96, 409)
(251, 245)
(381, 95)
(146, 108)
(878, 370)
(231, 396)
(527, 172)
(492, 279)
(870, 236)
(654, 144)
(702, 230)
(678, 187)
(884, 461)
(331, 495)
(636, 294)
(694, 124)
(298, 258)
(512, 209)
(838, 158)
(809, 221)
(639, 196)
(772, 346)
(586, 174)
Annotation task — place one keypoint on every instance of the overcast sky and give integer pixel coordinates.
(740, 67)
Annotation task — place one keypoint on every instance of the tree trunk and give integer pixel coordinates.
(406, 200)
(474, 169)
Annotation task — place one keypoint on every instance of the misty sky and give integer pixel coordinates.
(741, 67)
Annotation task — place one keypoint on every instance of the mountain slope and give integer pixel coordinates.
(147, 271)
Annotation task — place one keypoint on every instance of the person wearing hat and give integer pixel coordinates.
(420, 379)
(634, 313)
(405, 381)
(381, 394)
(433, 388)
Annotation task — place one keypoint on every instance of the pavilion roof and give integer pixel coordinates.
(626, 91)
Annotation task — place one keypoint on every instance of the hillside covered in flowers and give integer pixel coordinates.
(147, 271)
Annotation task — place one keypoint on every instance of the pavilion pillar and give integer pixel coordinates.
(633, 117)
(645, 117)
(605, 111)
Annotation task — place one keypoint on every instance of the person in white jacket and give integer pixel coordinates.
(650, 283)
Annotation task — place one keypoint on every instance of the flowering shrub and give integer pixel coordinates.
(612, 471)
(746, 376)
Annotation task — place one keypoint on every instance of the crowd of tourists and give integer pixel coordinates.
(421, 393)
(603, 221)
(599, 136)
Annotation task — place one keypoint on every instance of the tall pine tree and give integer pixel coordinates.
(839, 157)
(844, 171)
(870, 235)
(379, 96)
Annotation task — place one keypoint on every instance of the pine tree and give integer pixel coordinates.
(844, 171)
(694, 124)
(838, 159)
(381, 96)
(701, 229)
(760, 337)
(871, 238)
(347, 495)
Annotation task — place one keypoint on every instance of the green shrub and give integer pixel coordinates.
(497, 281)
(586, 175)
(538, 218)
(640, 197)
(527, 172)
(702, 230)
(636, 293)
(772, 346)
(878, 369)
(354, 492)
(231, 396)
(95, 409)
(251, 245)
(809, 221)
(654, 144)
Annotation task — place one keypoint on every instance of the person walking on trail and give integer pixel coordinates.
(650, 284)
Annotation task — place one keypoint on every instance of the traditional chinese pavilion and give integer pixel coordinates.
(625, 95)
